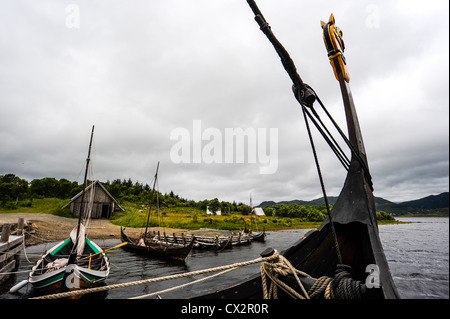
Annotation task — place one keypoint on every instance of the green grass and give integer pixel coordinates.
(175, 217)
(39, 205)
(193, 218)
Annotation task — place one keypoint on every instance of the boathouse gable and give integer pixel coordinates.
(103, 203)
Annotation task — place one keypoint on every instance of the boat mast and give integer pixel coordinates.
(80, 214)
(251, 214)
(151, 202)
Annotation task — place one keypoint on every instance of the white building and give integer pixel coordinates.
(258, 211)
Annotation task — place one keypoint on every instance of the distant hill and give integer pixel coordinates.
(428, 206)
(430, 202)
(314, 202)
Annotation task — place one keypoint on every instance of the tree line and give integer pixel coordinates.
(15, 191)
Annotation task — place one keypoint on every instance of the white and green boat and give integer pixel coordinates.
(54, 273)
(75, 263)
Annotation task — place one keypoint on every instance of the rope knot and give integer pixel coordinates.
(275, 267)
(343, 286)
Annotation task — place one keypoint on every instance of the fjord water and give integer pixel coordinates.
(417, 253)
(418, 256)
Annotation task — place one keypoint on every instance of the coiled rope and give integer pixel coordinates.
(342, 286)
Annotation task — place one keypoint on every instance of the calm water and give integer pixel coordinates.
(418, 255)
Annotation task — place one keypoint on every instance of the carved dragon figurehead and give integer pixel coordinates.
(334, 43)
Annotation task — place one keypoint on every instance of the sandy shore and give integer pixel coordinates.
(42, 228)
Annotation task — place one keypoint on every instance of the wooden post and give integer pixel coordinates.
(20, 225)
(6, 231)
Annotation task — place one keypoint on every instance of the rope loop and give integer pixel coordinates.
(273, 269)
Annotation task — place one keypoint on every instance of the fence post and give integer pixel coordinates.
(20, 225)
(6, 230)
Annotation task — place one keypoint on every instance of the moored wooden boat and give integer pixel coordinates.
(157, 248)
(204, 242)
(259, 236)
(346, 248)
(75, 263)
(212, 243)
(52, 272)
(153, 246)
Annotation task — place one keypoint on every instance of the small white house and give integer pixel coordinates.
(258, 211)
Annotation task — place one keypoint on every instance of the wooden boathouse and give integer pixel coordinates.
(102, 202)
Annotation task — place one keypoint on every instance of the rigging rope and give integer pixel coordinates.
(302, 92)
(319, 172)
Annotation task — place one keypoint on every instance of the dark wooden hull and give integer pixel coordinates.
(261, 236)
(315, 253)
(352, 231)
(217, 243)
(212, 243)
(169, 251)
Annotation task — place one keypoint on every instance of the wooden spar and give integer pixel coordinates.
(80, 214)
(105, 250)
(151, 202)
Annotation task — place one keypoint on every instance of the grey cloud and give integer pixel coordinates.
(138, 72)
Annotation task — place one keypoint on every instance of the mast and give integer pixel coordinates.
(251, 214)
(151, 202)
(80, 214)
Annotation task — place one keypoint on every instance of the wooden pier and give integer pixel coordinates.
(10, 248)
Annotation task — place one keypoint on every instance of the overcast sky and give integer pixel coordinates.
(145, 71)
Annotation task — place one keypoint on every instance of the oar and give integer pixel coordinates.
(103, 251)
